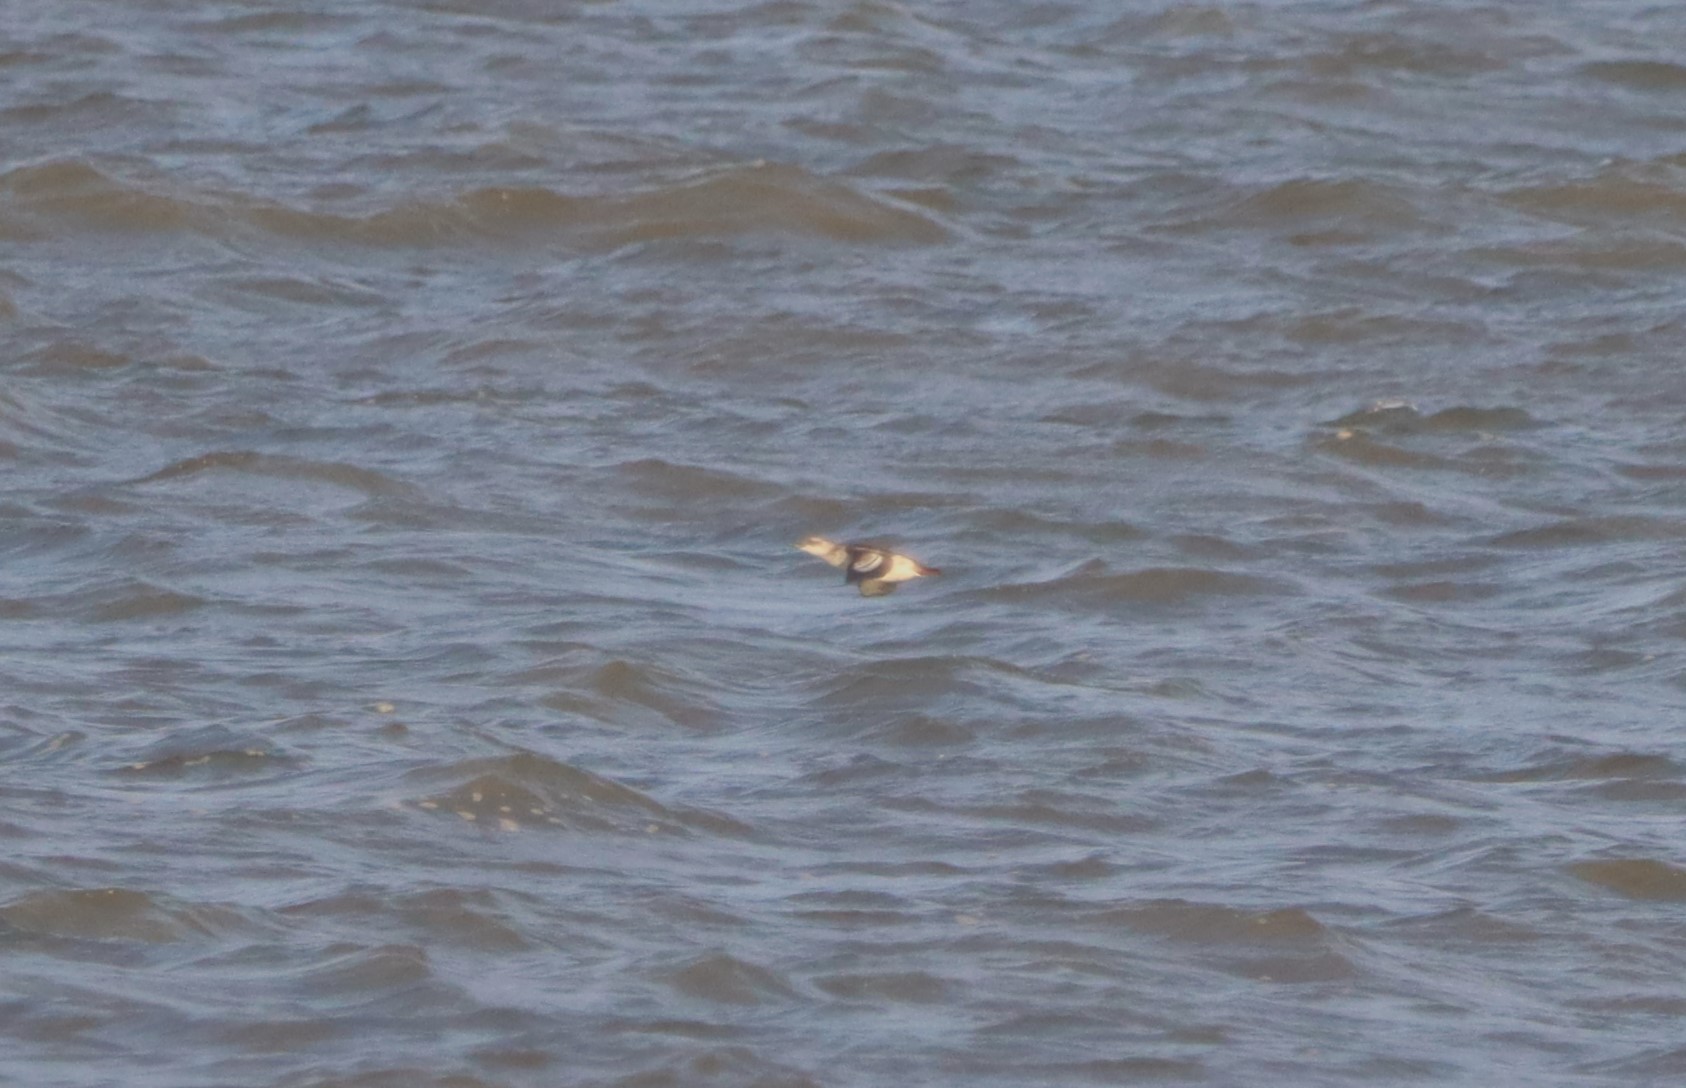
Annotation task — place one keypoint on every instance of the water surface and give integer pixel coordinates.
(409, 409)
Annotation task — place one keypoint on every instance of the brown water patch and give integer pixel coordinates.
(1206, 923)
(1640, 75)
(71, 194)
(1612, 195)
(735, 202)
(1362, 449)
(913, 987)
(1443, 592)
(465, 919)
(1398, 418)
(724, 978)
(73, 356)
(671, 482)
(1587, 259)
(924, 730)
(1091, 587)
(1653, 471)
(1469, 924)
(1063, 808)
(1584, 531)
(1355, 204)
(1322, 966)
(115, 914)
(1636, 878)
(140, 601)
(721, 1066)
(766, 197)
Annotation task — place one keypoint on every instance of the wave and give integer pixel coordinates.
(1093, 587)
(1399, 417)
(213, 750)
(75, 196)
(1635, 878)
(528, 791)
(281, 467)
(112, 914)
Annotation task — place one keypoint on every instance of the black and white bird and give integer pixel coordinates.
(876, 570)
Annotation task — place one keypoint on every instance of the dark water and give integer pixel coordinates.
(409, 408)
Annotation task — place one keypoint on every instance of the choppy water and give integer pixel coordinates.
(407, 677)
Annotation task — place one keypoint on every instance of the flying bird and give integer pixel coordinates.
(875, 570)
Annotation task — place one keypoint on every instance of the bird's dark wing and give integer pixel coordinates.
(864, 563)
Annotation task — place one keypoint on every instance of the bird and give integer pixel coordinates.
(874, 569)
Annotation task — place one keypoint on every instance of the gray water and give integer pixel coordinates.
(409, 408)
